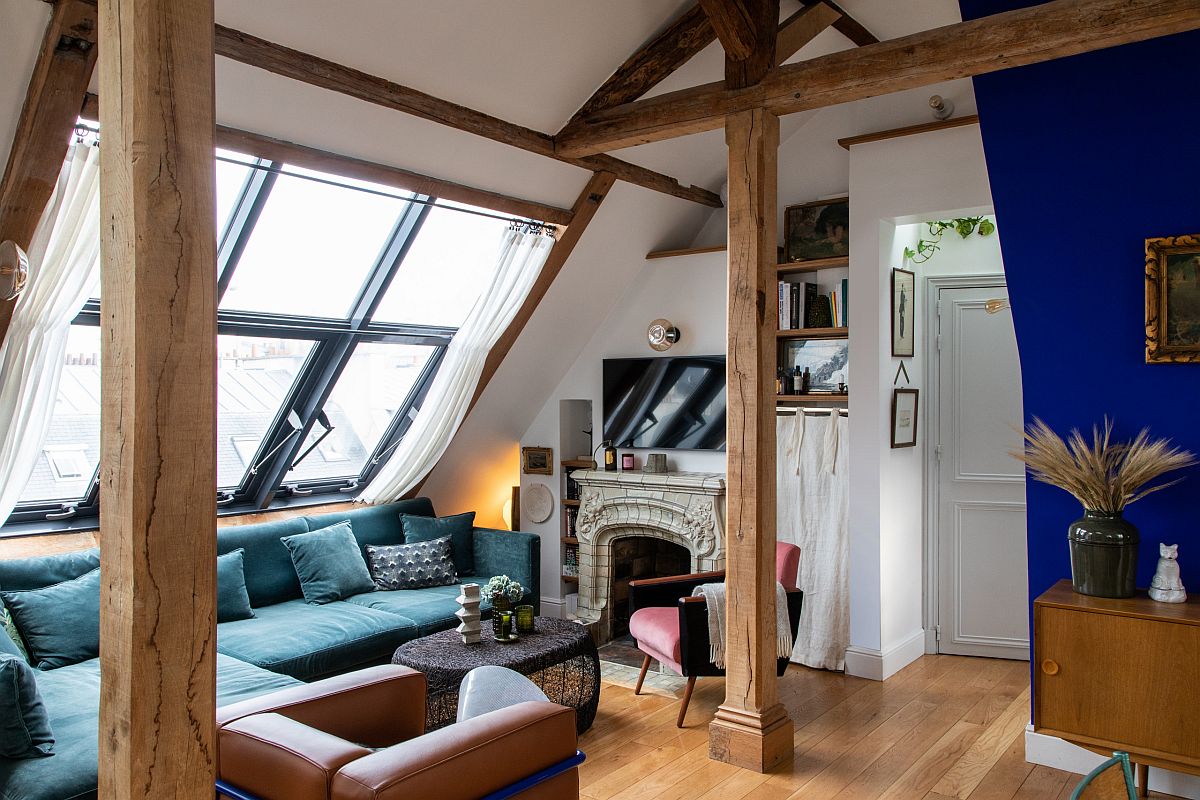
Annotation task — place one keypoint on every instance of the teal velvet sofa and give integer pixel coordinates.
(287, 642)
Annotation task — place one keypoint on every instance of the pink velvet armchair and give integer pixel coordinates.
(671, 626)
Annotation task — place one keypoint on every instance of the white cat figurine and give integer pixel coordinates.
(1166, 586)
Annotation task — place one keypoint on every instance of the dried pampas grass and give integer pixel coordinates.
(1102, 474)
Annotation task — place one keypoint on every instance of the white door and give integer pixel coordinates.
(979, 519)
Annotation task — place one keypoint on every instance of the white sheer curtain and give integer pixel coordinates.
(521, 258)
(812, 481)
(64, 268)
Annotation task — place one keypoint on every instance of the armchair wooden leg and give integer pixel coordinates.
(642, 675)
(687, 698)
(1143, 780)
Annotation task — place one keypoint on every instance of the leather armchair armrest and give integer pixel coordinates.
(466, 760)
(273, 756)
(666, 592)
(376, 707)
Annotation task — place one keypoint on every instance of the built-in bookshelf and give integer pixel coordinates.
(568, 542)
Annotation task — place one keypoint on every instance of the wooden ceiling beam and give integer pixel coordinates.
(280, 150)
(1045, 32)
(847, 25)
(310, 69)
(751, 28)
(59, 83)
(801, 28)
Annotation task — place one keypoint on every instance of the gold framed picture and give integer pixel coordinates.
(537, 460)
(1173, 299)
(817, 230)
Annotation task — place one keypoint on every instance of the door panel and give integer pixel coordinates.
(980, 489)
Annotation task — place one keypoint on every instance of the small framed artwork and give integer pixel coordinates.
(817, 230)
(904, 292)
(1173, 300)
(904, 418)
(827, 362)
(537, 460)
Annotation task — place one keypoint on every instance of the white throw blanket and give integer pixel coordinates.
(714, 597)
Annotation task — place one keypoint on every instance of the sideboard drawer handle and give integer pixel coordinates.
(1050, 667)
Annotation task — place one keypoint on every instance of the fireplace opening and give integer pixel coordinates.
(637, 557)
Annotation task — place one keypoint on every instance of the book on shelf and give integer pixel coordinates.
(794, 300)
(572, 514)
(802, 305)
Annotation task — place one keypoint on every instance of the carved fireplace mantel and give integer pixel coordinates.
(687, 508)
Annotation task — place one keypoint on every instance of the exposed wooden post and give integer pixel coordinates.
(158, 453)
(751, 729)
(56, 89)
(748, 31)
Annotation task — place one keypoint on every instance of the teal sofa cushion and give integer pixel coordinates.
(24, 724)
(460, 528)
(329, 563)
(375, 524)
(270, 576)
(233, 601)
(431, 609)
(72, 699)
(35, 573)
(60, 623)
(310, 642)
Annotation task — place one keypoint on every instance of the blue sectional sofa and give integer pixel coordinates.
(288, 640)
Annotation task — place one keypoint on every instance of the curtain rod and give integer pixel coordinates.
(781, 411)
(529, 225)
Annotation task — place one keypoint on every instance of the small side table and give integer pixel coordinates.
(560, 657)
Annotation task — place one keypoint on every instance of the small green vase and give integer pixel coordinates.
(1104, 551)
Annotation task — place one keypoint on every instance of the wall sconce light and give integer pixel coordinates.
(662, 334)
(941, 107)
(14, 270)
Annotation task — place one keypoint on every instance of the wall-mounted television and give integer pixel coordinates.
(665, 403)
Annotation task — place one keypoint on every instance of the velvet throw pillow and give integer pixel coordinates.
(329, 564)
(412, 566)
(11, 634)
(24, 724)
(233, 601)
(460, 528)
(61, 623)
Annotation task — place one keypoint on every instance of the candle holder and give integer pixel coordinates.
(525, 619)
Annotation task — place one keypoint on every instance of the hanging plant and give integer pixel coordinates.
(963, 226)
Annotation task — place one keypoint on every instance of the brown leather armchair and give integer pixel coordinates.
(361, 737)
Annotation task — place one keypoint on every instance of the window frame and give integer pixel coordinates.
(264, 483)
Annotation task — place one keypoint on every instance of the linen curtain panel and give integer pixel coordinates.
(64, 268)
(813, 512)
(522, 255)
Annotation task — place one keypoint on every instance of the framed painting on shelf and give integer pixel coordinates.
(817, 230)
(904, 292)
(1173, 299)
(827, 360)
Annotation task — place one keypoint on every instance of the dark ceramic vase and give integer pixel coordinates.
(1103, 554)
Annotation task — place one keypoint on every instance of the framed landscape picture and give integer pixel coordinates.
(817, 230)
(904, 418)
(1173, 299)
(537, 460)
(827, 361)
(904, 292)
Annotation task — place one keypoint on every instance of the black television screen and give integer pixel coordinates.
(669, 403)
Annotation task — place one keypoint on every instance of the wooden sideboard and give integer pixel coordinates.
(1119, 675)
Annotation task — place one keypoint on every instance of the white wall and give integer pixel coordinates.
(893, 184)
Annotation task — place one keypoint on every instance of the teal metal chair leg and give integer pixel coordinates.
(1118, 758)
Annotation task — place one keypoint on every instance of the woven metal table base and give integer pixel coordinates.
(560, 658)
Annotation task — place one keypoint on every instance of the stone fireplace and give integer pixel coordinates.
(684, 508)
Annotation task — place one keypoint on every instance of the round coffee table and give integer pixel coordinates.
(560, 657)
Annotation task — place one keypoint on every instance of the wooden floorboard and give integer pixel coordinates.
(944, 728)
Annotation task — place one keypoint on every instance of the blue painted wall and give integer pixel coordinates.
(1088, 156)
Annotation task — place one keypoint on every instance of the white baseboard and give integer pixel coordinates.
(553, 607)
(879, 665)
(1054, 752)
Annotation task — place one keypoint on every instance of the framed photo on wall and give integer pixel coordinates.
(904, 295)
(904, 418)
(537, 460)
(817, 230)
(1173, 299)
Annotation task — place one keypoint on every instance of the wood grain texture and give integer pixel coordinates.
(802, 27)
(1093, 657)
(909, 130)
(737, 25)
(751, 728)
(158, 441)
(329, 75)
(56, 90)
(763, 18)
(854, 739)
(847, 25)
(1031, 35)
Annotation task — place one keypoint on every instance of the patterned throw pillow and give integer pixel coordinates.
(10, 627)
(412, 566)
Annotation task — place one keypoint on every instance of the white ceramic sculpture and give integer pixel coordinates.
(468, 613)
(1166, 586)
